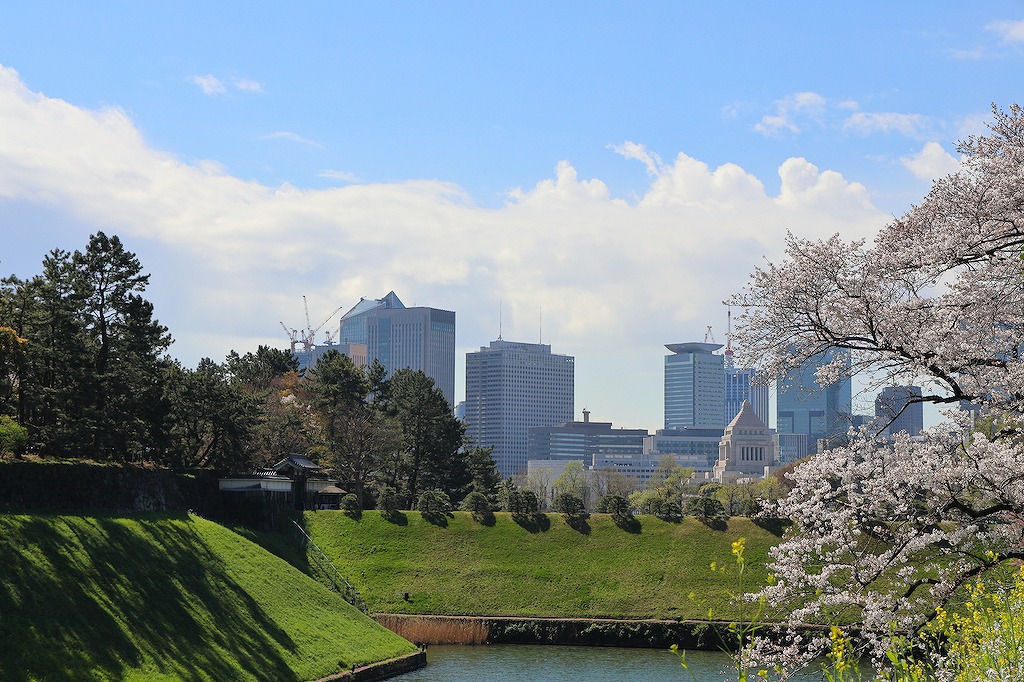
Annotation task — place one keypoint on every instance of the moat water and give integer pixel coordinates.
(522, 663)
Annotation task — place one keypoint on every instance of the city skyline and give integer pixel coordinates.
(595, 178)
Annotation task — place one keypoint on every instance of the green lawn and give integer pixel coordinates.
(166, 597)
(504, 569)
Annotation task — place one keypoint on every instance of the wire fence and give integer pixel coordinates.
(322, 563)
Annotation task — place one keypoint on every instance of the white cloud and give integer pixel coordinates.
(339, 175)
(931, 163)
(210, 85)
(637, 152)
(789, 110)
(911, 125)
(1008, 31)
(231, 258)
(247, 85)
(291, 137)
(972, 54)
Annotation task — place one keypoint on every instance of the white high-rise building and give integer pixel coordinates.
(511, 386)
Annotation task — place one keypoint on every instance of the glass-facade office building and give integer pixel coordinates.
(694, 386)
(824, 414)
(399, 337)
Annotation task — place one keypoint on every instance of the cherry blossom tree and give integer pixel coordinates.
(886, 530)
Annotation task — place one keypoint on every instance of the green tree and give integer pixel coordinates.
(573, 480)
(257, 371)
(121, 400)
(90, 383)
(389, 502)
(210, 419)
(569, 505)
(483, 472)
(13, 350)
(356, 439)
(479, 506)
(13, 437)
(433, 455)
(611, 481)
(283, 425)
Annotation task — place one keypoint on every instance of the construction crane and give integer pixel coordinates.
(293, 335)
(313, 330)
(307, 338)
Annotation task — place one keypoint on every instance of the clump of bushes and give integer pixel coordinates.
(389, 503)
(434, 505)
(477, 504)
(350, 505)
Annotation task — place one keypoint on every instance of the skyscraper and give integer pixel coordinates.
(896, 400)
(743, 383)
(511, 386)
(694, 386)
(822, 413)
(400, 337)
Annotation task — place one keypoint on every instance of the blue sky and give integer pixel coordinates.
(621, 166)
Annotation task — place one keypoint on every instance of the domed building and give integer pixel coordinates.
(747, 449)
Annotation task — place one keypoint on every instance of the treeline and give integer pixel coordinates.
(84, 373)
(671, 492)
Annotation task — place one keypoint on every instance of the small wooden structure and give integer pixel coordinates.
(295, 482)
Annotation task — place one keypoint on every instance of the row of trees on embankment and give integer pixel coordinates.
(544, 565)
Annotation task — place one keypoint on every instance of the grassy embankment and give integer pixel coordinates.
(463, 568)
(166, 597)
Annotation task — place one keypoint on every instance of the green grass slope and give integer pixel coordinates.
(662, 571)
(166, 597)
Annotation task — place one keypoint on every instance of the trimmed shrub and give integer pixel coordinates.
(569, 504)
(13, 437)
(479, 506)
(707, 509)
(616, 505)
(350, 505)
(434, 502)
(388, 502)
(670, 511)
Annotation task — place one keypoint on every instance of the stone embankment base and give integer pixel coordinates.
(422, 630)
(381, 671)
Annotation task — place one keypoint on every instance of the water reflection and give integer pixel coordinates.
(522, 663)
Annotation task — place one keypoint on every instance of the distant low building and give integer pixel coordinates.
(694, 448)
(357, 352)
(582, 440)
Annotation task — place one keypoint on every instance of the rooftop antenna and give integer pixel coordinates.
(499, 320)
(540, 325)
(728, 340)
(708, 336)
